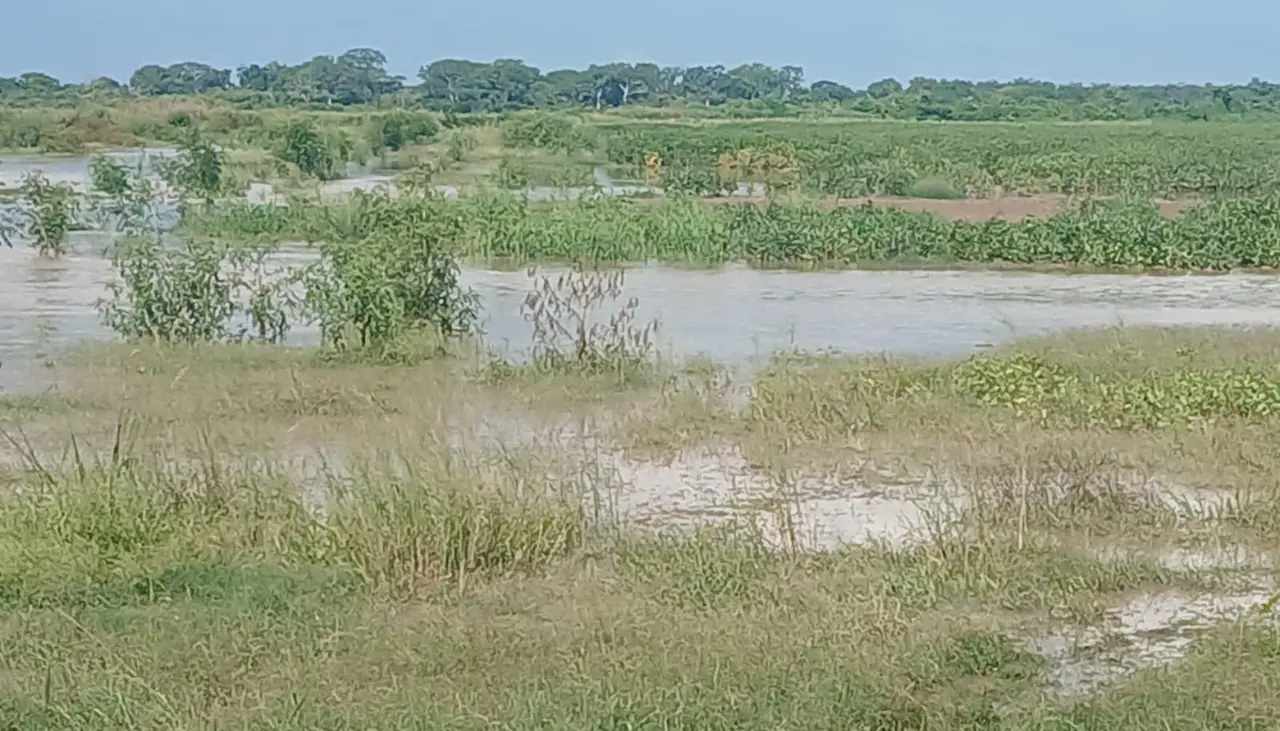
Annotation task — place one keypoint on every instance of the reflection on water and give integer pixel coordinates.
(733, 314)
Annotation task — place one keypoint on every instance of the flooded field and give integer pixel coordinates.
(734, 315)
(70, 170)
(1022, 537)
(74, 171)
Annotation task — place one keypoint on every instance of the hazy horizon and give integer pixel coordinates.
(1139, 42)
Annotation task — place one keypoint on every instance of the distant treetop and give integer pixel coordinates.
(359, 77)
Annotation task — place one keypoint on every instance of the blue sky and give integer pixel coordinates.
(1121, 41)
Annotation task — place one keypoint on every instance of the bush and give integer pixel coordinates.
(545, 131)
(934, 188)
(302, 145)
(51, 210)
(571, 333)
(197, 170)
(399, 281)
(458, 144)
(401, 129)
(197, 293)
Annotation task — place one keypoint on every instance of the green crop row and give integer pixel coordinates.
(1215, 236)
(857, 159)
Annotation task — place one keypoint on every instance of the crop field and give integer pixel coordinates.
(1188, 197)
(1216, 235)
(959, 160)
(209, 521)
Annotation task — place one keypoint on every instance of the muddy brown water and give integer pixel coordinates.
(735, 315)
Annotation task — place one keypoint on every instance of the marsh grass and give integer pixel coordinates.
(1037, 424)
(251, 536)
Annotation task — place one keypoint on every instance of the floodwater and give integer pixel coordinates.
(738, 315)
(74, 171)
(735, 315)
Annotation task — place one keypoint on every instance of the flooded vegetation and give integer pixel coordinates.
(280, 450)
(737, 316)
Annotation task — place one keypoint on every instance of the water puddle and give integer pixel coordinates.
(1149, 631)
(797, 513)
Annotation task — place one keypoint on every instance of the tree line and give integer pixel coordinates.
(360, 77)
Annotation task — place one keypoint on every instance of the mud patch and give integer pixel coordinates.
(797, 513)
(1149, 631)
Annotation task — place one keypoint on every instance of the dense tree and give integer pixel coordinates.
(106, 84)
(359, 77)
(38, 83)
(188, 77)
(830, 91)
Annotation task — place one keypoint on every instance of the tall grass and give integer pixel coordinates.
(88, 534)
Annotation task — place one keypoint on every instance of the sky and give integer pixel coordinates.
(1116, 41)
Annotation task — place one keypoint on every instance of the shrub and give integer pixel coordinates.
(400, 129)
(51, 210)
(570, 333)
(196, 293)
(934, 188)
(302, 145)
(545, 131)
(400, 280)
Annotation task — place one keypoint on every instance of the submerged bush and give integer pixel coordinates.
(400, 279)
(197, 292)
(193, 291)
(50, 211)
(197, 171)
(571, 333)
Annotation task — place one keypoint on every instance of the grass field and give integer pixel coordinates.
(251, 537)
